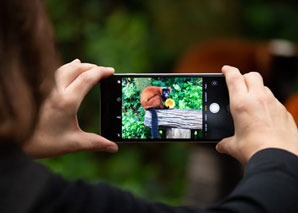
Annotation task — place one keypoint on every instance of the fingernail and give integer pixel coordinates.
(110, 68)
(112, 149)
(217, 146)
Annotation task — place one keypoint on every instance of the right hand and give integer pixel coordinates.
(260, 120)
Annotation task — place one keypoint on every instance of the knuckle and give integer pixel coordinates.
(65, 102)
(234, 78)
(290, 117)
(267, 90)
(269, 94)
(270, 99)
(261, 100)
(81, 68)
(234, 69)
(67, 68)
(240, 106)
(254, 75)
(68, 102)
(63, 67)
(101, 68)
(85, 78)
(282, 107)
(85, 67)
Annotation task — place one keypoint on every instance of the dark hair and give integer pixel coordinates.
(27, 64)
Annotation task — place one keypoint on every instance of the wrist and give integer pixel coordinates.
(256, 142)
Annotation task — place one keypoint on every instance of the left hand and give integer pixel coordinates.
(57, 131)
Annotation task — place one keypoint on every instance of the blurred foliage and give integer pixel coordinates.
(186, 92)
(132, 111)
(122, 34)
(270, 19)
(149, 36)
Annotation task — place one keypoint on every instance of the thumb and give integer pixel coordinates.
(94, 142)
(224, 146)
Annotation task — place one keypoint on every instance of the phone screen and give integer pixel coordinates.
(165, 108)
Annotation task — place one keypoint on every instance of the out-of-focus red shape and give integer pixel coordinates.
(292, 106)
(247, 55)
(210, 56)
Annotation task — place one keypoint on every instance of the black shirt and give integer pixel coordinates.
(270, 184)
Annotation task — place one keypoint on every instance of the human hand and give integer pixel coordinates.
(57, 131)
(260, 120)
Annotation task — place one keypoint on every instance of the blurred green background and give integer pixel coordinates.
(149, 36)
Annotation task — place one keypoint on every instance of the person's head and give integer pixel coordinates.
(27, 64)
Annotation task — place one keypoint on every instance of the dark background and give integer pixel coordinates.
(151, 36)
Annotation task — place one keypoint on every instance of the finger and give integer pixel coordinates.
(224, 145)
(86, 80)
(74, 61)
(235, 82)
(270, 95)
(291, 119)
(254, 82)
(94, 142)
(69, 72)
(268, 92)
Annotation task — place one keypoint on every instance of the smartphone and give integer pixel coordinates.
(165, 108)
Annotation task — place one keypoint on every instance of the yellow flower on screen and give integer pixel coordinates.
(170, 103)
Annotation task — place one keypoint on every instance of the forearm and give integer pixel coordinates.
(270, 185)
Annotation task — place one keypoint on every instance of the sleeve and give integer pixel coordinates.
(270, 184)
(80, 196)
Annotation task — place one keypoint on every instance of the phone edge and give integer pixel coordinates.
(152, 75)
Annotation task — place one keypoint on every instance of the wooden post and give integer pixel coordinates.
(178, 133)
(179, 122)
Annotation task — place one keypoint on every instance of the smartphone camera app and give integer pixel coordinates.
(165, 108)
